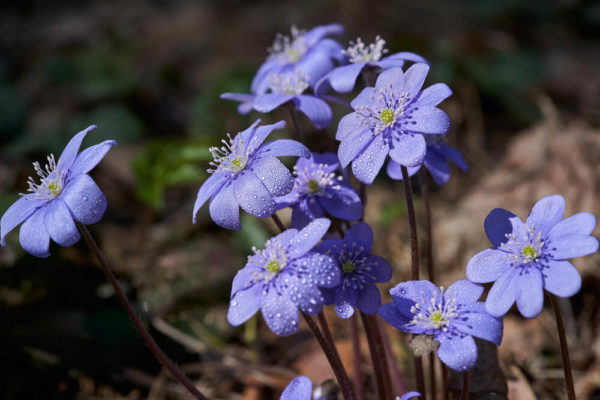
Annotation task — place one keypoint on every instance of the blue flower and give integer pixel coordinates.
(308, 52)
(359, 271)
(391, 118)
(343, 78)
(286, 88)
(65, 194)
(318, 190)
(300, 388)
(452, 316)
(532, 256)
(247, 174)
(282, 278)
(436, 154)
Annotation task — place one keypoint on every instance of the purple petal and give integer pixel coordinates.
(351, 146)
(453, 155)
(407, 56)
(300, 388)
(475, 321)
(345, 301)
(345, 204)
(578, 224)
(437, 167)
(283, 147)
(408, 150)
(348, 125)
(244, 138)
(33, 235)
(309, 299)
(394, 170)
(320, 31)
(90, 157)
(386, 63)
(369, 299)
(304, 212)
(369, 162)
(561, 279)
(367, 97)
(458, 353)
(381, 270)
(269, 101)
(342, 79)
(280, 313)
(361, 234)
(323, 269)
(246, 101)
(274, 175)
(315, 109)
(252, 196)
(224, 209)
(503, 294)
(208, 189)
(85, 200)
(244, 304)
(546, 213)
(260, 82)
(464, 291)
(405, 294)
(328, 159)
(429, 120)
(498, 224)
(393, 77)
(308, 237)
(573, 246)
(18, 212)
(487, 266)
(409, 395)
(414, 78)
(390, 313)
(530, 293)
(65, 161)
(59, 223)
(315, 64)
(434, 95)
(329, 246)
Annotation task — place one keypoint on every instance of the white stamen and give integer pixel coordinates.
(295, 83)
(436, 314)
(358, 52)
(51, 184)
(288, 50)
(232, 156)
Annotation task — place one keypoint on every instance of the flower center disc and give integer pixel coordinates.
(348, 267)
(529, 252)
(437, 318)
(273, 267)
(387, 116)
(313, 186)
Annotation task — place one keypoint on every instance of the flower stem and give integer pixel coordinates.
(564, 349)
(464, 395)
(294, 116)
(336, 364)
(327, 333)
(358, 382)
(396, 376)
(414, 263)
(278, 222)
(380, 365)
(446, 394)
(158, 353)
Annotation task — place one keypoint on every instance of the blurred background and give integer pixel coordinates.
(525, 112)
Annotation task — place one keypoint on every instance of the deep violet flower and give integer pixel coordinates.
(247, 174)
(282, 278)
(532, 256)
(286, 88)
(359, 271)
(391, 118)
(360, 57)
(310, 52)
(436, 159)
(65, 194)
(300, 388)
(452, 316)
(319, 190)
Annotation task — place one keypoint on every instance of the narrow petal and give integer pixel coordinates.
(244, 304)
(578, 224)
(361, 234)
(18, 212)
(530, 293)
(429, 120)
(393, 77)
(573, 246)
(390, 313)
(315, 109)
(207, 190)
(274, 175)
(284, 147)
(244, 98)
(503, 294)
(269, 101)
(369, 299)
(252, 196)
(308, 237)
(345, 301)
(407, 56)
(381, 270)
(348, 125)
(344, 204)
(300, 388)
(464, 291)
(561, 278)
(498, 224)
(352, 146)
(244, 138)
(90, 157)
(437, 167)
(369, 162)
(280, 313)
(65, 161)
(475, 321)
(33, 235)
(460, 354)
(320, 31)
(409, 395)
(453, 155)
(408, 149)
(342, 79)
(386, 63)
(546, 213)
(367, 97)
(434, 95)
(59, 223)
(260, 82)
(85, 200)
(487, 266)
(394, 170)
(224, 209)
(414, 78)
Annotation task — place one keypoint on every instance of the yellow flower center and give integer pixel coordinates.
(437, 318)
(529, 252)
(387, 116)
(348, 267)
(273, 267)
(313, 185)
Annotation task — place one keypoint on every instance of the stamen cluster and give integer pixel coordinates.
(286, 49)
(358, 52)
(233, 155)
(291, 83)
(51, 183)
